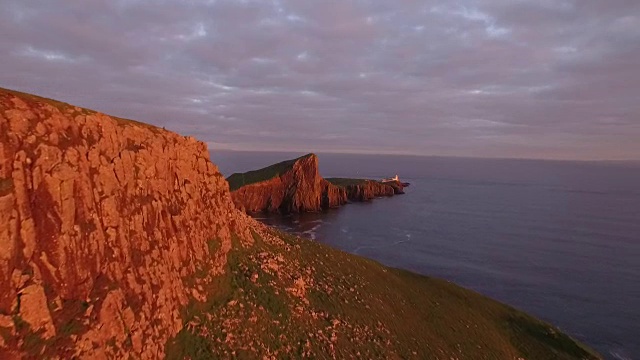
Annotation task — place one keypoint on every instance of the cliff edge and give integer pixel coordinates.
(295, 186)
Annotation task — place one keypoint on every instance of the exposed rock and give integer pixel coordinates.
(369, 189)
(109, 212)
(296, 186)
(34, 310)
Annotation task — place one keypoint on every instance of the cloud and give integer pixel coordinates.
(552, 79)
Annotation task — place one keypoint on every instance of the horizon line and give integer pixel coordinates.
(410, 154)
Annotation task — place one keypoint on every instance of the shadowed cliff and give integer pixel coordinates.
(120, 240)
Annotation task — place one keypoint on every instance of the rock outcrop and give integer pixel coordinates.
(365, 190)
(295, 186)
(102, 221)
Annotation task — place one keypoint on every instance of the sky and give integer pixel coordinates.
(552, 79)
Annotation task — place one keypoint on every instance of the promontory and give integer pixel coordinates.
(295, 186)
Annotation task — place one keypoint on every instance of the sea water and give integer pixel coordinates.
(557, 239)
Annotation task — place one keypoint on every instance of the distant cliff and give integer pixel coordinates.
(295, 186)
(364, 189)
(119, 240)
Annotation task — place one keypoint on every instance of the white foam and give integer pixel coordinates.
(311, 233)
(619, 356)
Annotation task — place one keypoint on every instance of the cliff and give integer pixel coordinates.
(120, 240)
(365, 190)
(295, 186)
(101, 221)
(286, 187)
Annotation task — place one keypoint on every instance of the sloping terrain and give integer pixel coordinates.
(287, 297)
(239, 180)
(120, 240)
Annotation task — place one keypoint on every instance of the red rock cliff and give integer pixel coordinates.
(296, 186)
(368, 190)
(102, 221)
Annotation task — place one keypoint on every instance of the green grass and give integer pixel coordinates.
(68, 108)
(374, 312)
(214, 245)
(239, 180)
(71, 327)
(238, 285)
(187, 345)
(33, 344)
(344, 182)
(529, 335)
(62, 106)
(67, 323)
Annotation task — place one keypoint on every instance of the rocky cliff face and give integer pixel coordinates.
(369, 190)
(103, 222)
(333, 196)
(300, 188)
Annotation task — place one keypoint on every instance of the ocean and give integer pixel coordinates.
(557, 239)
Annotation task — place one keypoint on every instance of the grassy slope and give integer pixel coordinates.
(66, 108)
(352, 308)
(343, 182)
(239, 180)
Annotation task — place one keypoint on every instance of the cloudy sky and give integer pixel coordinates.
(491, 78)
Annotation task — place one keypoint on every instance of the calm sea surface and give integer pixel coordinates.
(560, 240)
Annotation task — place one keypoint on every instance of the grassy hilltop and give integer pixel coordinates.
(239, 180)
